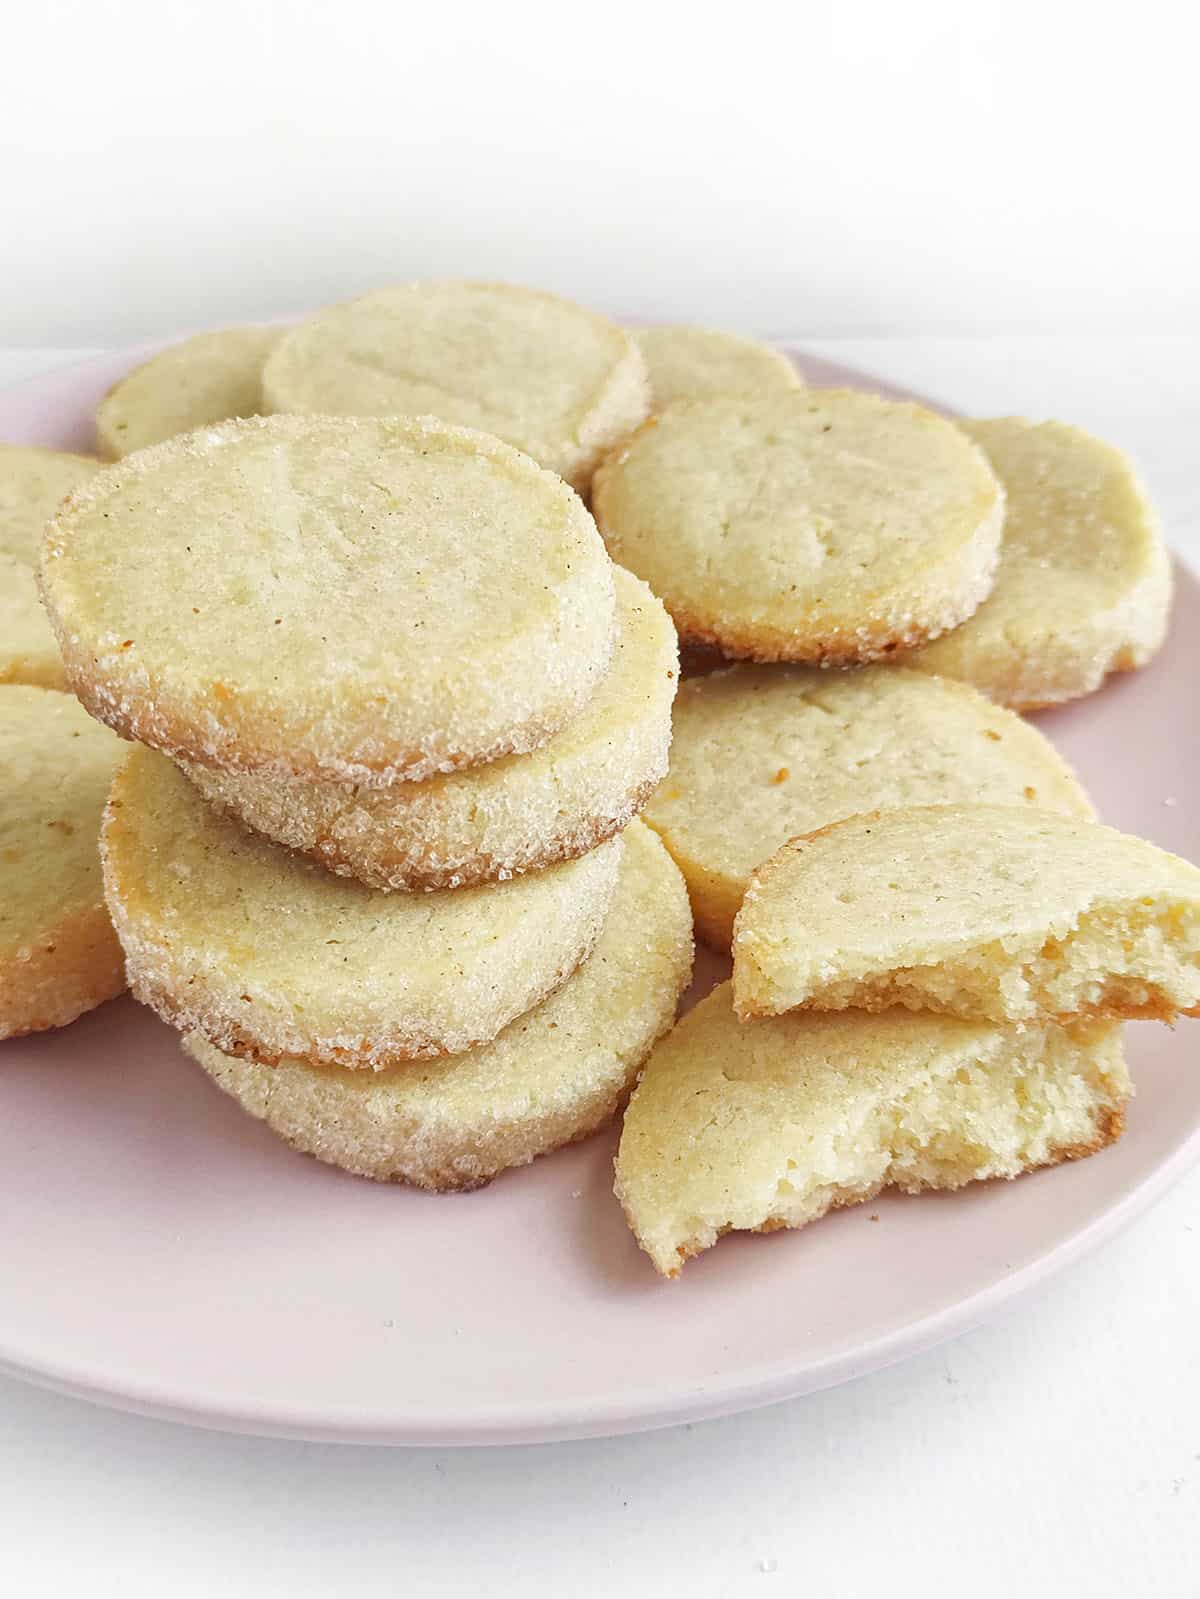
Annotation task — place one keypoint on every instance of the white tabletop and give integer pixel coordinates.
(1055, 1451)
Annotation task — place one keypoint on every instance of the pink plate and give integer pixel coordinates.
(162, 1252)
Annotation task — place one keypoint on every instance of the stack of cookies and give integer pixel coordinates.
(375, 854)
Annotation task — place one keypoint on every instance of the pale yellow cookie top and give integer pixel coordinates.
(242, 939)
(353, 599)
(33, 483)
(56, 765)
(201, 380)
(954, 904)
(687, 363)
(815, 524)
(548, 376)
(1083, 583)
(762, 753)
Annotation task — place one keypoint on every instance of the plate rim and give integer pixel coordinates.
(779, 1381)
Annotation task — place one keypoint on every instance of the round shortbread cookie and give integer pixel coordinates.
(761, 1125)
(59, 955)
(33, 483)
(971, 910)
(491, 822)
(551, 1077)
(1083, 587)
(818, 525)
(350, 600)
(692, 363)
(210, 378)
(762, 753)
(267, 954)
(556, 381)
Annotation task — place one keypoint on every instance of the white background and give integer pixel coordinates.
(997, 207)
(835, 168)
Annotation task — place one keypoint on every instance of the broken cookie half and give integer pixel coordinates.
(978, 911)
(767, 1124)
